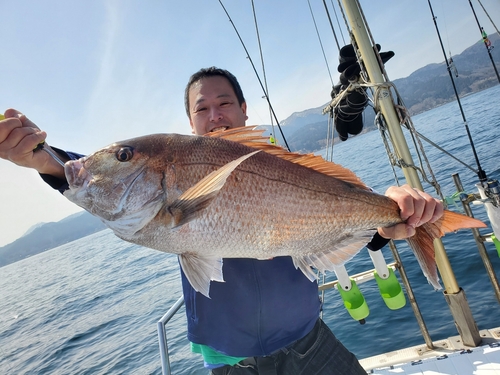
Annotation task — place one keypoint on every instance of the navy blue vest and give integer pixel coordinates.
(262, 306)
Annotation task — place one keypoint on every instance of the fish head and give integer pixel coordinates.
(120, 184)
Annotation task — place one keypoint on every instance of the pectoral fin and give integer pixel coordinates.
(199, 196)
(200, 271)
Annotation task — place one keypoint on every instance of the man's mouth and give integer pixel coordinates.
(218, 129)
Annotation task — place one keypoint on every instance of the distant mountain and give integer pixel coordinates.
(430, 86)
(305, 131)
(45, 236)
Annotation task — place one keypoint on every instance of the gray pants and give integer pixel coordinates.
(318, 353)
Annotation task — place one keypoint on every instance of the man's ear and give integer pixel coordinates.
(244, 109)
(192, 127)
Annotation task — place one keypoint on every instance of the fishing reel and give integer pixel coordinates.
(492, 191)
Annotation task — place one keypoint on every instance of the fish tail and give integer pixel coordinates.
(422, 243)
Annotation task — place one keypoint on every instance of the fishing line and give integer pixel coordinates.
(453, 67)
(256, 73)
(331, 24)
(321, 44)
(446, 29)
(263, 68)
(330, 137)
(338, 23)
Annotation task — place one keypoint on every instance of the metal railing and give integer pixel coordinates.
(162, 335)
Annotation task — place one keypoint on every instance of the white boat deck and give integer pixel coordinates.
(450, 357)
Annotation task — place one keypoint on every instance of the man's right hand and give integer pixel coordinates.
(19, 137)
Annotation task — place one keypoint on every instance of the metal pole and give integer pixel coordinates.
(411, 297)
(386, 103)
(370, 61)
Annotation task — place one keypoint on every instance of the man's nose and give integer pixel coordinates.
(215, 114)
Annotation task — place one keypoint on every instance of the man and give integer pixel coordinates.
(265, 318)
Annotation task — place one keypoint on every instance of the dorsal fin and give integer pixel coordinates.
(252, 137)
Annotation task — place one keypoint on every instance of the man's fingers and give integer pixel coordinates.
(19, 144)
(7, 126)
(397, 232)
(425, 208)
(14, 113)
(30, 142)
(416, 208)
(415, 217)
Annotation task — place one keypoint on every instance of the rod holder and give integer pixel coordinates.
(391, 291)
(354, 302)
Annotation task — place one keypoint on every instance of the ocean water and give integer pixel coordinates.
(91, 306)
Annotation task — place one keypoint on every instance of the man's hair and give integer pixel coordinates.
(213, 72)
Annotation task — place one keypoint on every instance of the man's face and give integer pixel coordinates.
(213, 105)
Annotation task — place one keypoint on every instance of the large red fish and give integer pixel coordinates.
(233, 195)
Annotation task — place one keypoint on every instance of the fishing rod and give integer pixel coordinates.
(487, 43)
(480, 172)
(257, 74)
(495, 26)
(320, 42)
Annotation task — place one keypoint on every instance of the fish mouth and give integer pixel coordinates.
(76, 174)
(86, 191)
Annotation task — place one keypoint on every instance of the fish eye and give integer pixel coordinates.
(125, 154)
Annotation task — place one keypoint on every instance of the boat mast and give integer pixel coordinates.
(454, 295)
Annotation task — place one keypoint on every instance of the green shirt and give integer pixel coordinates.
(213, 357)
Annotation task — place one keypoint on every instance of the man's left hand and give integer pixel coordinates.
(417, 208)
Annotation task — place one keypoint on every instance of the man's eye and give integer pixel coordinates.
(200, 109)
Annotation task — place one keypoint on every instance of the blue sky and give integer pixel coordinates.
(94, 72)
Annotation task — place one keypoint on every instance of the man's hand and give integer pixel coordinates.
(19, 137)
(417, 208)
